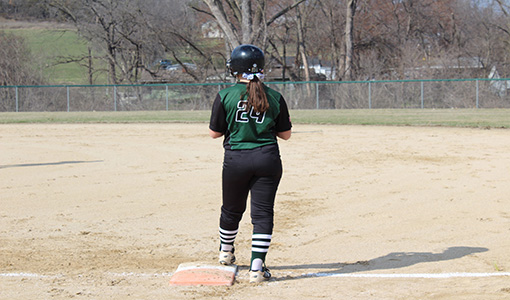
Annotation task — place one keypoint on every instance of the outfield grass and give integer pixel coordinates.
(477, 118)
(497, 118)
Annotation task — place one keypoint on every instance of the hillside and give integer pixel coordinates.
(49, 43)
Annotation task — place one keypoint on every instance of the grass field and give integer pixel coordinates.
(477, 118)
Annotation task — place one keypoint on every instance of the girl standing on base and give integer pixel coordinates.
(250, 116)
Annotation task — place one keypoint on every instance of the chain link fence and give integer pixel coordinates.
(469, 93)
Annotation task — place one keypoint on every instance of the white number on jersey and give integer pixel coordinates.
(242, 115)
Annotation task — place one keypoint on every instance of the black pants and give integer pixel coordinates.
(257, 171)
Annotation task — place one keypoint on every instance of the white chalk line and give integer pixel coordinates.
(419, 275)
(123, 274)
(339, 275)
(132, 274)
(25, 275)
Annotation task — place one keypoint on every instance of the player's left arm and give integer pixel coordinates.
(284, 135)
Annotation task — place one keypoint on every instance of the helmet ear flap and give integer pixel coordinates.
(229, 68)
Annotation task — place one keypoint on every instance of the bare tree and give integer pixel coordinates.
(243, 22)
(386, 29)
(29, 9)
(349, 29)
(113, 28)
(132, 35)
(174, 29)
(327, 34)
(15, 68)
(280, 39)
(15, 62)
(499, 30)
(376, 39)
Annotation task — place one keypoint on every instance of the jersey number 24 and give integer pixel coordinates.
(242, 115)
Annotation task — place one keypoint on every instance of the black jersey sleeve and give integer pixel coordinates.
(283, 122)
(218, 120)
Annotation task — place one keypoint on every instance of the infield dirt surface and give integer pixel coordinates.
(108, 211)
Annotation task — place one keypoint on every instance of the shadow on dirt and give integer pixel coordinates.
(50, 164)
(393, 260)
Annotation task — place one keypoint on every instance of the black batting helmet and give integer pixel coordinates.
(246, 59)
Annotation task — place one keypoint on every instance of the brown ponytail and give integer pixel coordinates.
(257, 96)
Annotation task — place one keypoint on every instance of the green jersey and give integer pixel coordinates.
(248, 129)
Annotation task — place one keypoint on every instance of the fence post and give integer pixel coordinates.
(68, 103)
(114, 98)
(477, 99)
(317, 93)
(369, 95)
(421, 94)
(166, 91)
(17, 100)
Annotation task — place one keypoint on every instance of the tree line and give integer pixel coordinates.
(303, 39)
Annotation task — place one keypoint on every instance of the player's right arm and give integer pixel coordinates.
(215, 134)
(283, 124)
(218, 124)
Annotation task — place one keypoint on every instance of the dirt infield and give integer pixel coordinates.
(108, 211)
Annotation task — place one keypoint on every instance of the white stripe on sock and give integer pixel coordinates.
(229, 231)
(227, 241)
(261, 236)
(260, 243)
(230, 236)
(262, 250)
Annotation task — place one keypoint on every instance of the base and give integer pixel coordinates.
(204, 274)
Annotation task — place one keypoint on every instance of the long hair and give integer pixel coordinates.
(256, 96)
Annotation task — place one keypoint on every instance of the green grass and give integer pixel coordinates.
(47, 45)
(105, 117)
(498, 118)
(476, 118)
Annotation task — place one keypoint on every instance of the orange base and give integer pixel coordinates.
(203, 274)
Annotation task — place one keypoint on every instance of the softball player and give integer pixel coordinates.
(250, 116)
